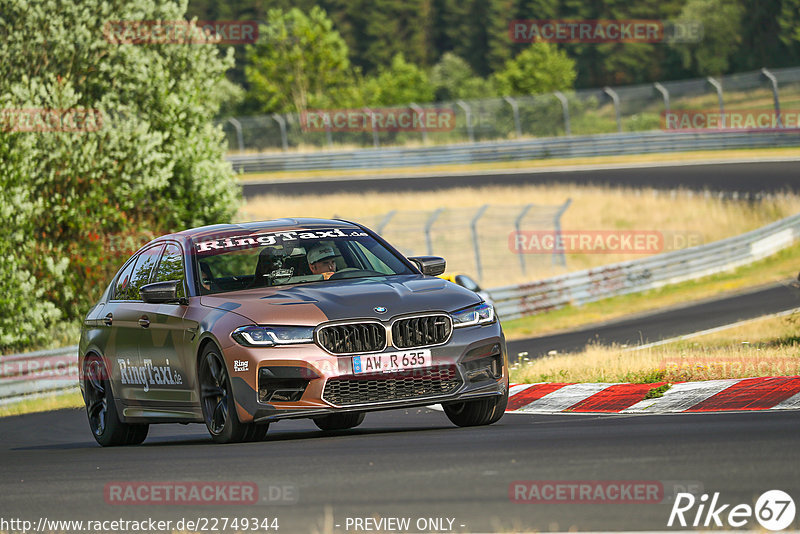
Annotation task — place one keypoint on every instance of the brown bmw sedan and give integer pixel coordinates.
(237, 326)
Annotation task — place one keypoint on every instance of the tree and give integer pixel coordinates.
(297, 60)
(452, 79)
(541, 68)
(147, 160)
(722, 29)
(400, 83)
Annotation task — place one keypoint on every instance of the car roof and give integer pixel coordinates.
(274, 225)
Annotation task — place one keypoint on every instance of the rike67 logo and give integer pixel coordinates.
(774, 510)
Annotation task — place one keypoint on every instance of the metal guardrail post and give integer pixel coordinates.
(375, 141)
(328, 126)
(517, 223)
(718, 87)
(282, 124)
(565, 109)
(559, 258)
(385, 221)
(664, 93)
(239, 138)
(416, 108)
(468, 113)
(615, 98)
(428, 226)
(475, 245)
(775, 97)
(515, 110)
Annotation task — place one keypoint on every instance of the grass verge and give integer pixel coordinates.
(43, 404)
(776, 268)
(762, 347)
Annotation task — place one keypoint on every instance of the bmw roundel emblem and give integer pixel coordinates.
(379, 309)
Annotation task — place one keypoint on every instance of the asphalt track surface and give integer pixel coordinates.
(664, 324)
(414, 465)
(745, 178)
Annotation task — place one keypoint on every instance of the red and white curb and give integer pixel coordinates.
(736, 394)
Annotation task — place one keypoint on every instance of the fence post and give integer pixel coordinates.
(239, 138)
(475, 245)
(515, 110)
(718, 87)
(615, 98)
(468, 112)
(517, 223)
(375, 142)
(385, 221)
(421, 114)
(559, 258)
(328, 136)
(428, 225)
(282, 124)
(775, 98)
(665, 93)
(565, 109)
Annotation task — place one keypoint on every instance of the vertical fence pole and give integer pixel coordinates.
(239, 138)
(565, 110)
(328, 136)
(559, 258)
(282, 124)
(468, 113)
(428, 226)
(475, 245)
(775, 98)
(615, 99)
(385, 221)
(718, 87)
(664, 93)
(421, 114)
(375, 141)
(515, 110)
(517, 223)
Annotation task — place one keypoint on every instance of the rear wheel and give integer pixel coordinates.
(107, 428)
(218, 404)
(477, 412)
(339, 421)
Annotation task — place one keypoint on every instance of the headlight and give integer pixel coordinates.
(269, 336)
(481, 314)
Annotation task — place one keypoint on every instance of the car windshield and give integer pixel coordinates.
(268, 259)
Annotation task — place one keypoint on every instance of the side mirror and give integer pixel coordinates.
(429, 265)
(162, 292)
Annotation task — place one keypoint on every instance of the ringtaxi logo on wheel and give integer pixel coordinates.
(774, 510)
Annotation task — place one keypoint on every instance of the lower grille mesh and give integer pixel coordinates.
(344, 390)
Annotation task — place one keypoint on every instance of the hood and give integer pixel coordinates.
(311, 304)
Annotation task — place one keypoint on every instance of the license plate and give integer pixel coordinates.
(391, 361)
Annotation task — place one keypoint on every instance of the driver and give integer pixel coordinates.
(322, 260)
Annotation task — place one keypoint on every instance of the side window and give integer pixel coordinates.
(171, 266)
(124, 281)
(141, 272)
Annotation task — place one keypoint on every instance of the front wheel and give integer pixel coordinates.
(339, 421)
(107, 428)
(219, 406)
(477, 412)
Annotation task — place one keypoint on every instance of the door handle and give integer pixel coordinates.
(144, 322)
(108, 319)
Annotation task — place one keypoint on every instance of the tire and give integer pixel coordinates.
(339, 421)
(101, 409)
(477, 412)
(218, 404)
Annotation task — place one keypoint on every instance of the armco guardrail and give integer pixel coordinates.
(36, 373)
(492, 152)
(648, 273)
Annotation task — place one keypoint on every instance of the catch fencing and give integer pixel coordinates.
(648, 273)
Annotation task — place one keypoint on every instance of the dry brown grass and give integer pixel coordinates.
(764, 347)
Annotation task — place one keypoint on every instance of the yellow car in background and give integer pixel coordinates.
(465, 281)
